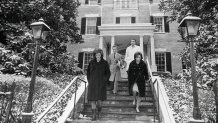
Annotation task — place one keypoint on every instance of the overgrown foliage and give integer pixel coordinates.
(206, 45)
(46, 91)
(181, 100)
(17, 53)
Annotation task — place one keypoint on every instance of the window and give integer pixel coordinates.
(161, 22)
(158, 21)
(125, 20)
(87, 58)
(163, 61)
(91, 25)
(92, 2)
(125, 4)
(160, 61)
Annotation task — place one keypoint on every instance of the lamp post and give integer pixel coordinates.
(191, 24)
(40, 30)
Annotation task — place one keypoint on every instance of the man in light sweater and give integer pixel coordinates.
(130, 51)
(129, 57)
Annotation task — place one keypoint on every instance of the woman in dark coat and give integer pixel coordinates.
(98, 74)
(138, 74)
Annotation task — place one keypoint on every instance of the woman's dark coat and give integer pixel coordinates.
(98, 74)
(141, 71)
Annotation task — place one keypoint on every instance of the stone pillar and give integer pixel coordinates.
(153, 62)
(149, 52)
(112, 42)
(141, 45)
(101, 45)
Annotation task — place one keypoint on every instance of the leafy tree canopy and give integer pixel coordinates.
(15, 32)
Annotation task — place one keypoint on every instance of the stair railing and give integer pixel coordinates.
(156, 97)
(75, 80)
(163, 110)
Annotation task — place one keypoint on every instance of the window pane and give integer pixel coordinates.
(93, 2)
(158, 21)
(125, 19)
(91, 25)
(119, 4)
(160, 61)
(87, 59)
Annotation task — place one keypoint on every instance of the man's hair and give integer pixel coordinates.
(133, 40)
(114, 46)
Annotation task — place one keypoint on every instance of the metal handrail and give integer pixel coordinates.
(59, 97)
(153, 91)
(163, 109)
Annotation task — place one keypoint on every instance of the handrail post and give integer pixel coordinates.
(158, 96)
(75, 101)
(84, 101)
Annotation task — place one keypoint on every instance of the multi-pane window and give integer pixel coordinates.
(87, 58)
(158, 21)
(91, 25)
(93, 2)
(125, 4)
(125, 20)
(160, 58)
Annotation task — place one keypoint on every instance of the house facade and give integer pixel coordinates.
(105, 23)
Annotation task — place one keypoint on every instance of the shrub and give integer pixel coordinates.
(181, 100)
(45, 92)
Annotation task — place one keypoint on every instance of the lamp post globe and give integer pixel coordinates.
(190, 24)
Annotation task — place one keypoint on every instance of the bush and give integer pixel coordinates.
(181, 100)
(45, 92)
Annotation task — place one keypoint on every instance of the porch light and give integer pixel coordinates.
(39, 28)
(190, 24)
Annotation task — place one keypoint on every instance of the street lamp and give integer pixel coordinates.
(40, 30)
(190, 25)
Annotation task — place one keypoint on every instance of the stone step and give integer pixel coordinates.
(127, 98)
(125, 84)
(109, 120)
(126, 93)
(143, 105)
(122, 115)
(121, 88)
(127, 109)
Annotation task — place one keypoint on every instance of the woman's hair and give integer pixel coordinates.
(138, 54)
(96, 51)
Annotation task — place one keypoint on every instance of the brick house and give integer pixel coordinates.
(107, 22)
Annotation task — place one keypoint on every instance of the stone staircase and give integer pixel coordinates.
(120, 108)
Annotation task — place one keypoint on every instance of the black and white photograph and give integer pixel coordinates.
(108, 61)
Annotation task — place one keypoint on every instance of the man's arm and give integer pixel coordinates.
(127, 55)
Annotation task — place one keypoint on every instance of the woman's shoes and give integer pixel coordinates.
(133, 102)
(137, 110)
(99, 112)
(93, 114)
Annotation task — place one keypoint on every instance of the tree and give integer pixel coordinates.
(206, 45)
(15, 33)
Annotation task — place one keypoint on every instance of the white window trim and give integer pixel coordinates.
(165, 61)
(85, 52)
(136, 8)
(93, 5)
(127, 15)
(163, 23)
(92, 15)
